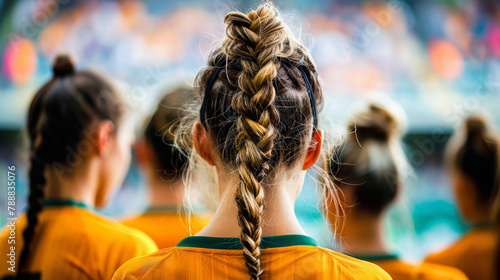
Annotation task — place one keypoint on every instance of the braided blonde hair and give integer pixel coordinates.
(258, 113)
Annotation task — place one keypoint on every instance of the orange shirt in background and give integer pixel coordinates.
(474, 253)
(71, 241)
(400, 270)
(166, 226)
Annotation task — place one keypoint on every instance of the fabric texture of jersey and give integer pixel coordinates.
(283, 257)
(400, 270)
(474, 253)
(166, 226)
(71, 241)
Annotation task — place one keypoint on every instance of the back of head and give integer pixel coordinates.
(474, 152)
(257, 109)
(161, 130)
(367, 162)
(62, 113)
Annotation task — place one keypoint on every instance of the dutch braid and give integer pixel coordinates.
(255, 39)
(257, 98)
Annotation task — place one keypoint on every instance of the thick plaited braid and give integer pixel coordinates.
(37, 183)
(256, 41)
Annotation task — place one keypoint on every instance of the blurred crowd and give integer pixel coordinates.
(430, 53)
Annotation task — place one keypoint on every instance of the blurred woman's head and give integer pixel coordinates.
(369, 164)
(77, 117)
(474, 157)
(156, 151)
(77, 131)
(260, 92)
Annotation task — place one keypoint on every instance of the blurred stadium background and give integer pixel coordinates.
(439, 59)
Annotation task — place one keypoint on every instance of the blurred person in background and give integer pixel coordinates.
(163, 164)
(80, 139)
(474, 159)
(257, 127)
(368, 168)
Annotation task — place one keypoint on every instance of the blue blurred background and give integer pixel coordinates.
(440, 60)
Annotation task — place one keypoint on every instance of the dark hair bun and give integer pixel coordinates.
(62, 66)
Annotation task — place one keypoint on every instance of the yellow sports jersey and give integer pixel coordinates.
(400, 270)
(213, 258)
(73, 242)
(474, 253)
(166, 226)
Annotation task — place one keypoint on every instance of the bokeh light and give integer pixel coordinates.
(446, 59)
(19, 60)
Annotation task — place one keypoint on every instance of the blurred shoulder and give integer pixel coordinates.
(476, 241)
(355, 268)
(109, 225)
(437, 271)
(454, 252)
(111, 234)
(139, 267)
(133, 221)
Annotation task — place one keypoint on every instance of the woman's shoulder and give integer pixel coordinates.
(137, 267)
(86, 226)
(473, 243)
(353, 267)
(437, 271)
(399, 269)
(96, 231)
(108, 230)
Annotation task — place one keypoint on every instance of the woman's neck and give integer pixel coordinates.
(481, 214)
(278, 215)
(362, 234)
(79, 184)
(165, 193)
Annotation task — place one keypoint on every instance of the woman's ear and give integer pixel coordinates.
(202, 143)
(314, 150)
(105, 132)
